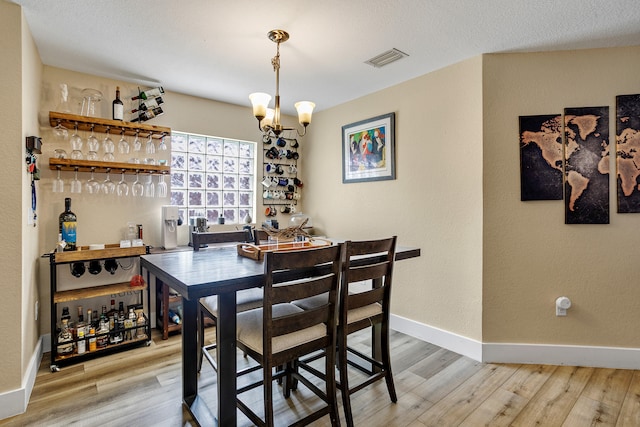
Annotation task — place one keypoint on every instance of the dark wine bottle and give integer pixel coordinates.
(150, 93)
(117, 106)
(67, 222)
(148, 115)
(149, 104)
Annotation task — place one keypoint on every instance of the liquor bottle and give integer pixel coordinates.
(141, 322)
(130, 325)
(91, 339)
(67, 223)
(173, 316)
(102, 338)
(149, 104)
(121, 318)
(148, 115)
(65, 340)
(150, 93)
(112, 315)
(81, 332)
(117, 107)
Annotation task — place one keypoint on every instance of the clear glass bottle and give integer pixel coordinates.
(141, 322)
(67, 226)
(65, 340)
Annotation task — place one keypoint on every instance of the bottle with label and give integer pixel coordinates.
(102, 334)
(143, 116)
(173, 316)
(81, 332)
(91, 339)
(65, 340)
(149, 104)
(130, 324)
(141, 322)
(112, 316)
(117, 106)
(121, 317)
(67, 223)
(150, 93)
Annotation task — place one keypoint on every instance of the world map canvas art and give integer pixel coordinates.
(541, 157)
(628, 152)
(586, 165)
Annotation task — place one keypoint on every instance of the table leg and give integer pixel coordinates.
(189, 350)
(226, 341)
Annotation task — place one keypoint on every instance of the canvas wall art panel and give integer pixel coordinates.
(586, 165)
(628, 152)
(541, 157)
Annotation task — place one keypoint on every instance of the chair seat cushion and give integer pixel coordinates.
(247, 299)
(360, 313)
(312, 302)
(249, 330)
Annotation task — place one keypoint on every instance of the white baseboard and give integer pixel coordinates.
(546, 354)
(15, 402)
(456, 343)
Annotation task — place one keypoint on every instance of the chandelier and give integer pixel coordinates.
(269, 119)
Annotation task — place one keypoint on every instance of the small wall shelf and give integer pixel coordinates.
(70, 121)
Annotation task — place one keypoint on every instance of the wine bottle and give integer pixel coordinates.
(117, 107)
(149, 104)
(150, 93)
(67, 223)
(148, 115)
(173, 316)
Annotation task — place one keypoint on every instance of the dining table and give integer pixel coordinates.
(217, 270)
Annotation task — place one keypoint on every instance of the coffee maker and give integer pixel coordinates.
(170, 219)
(197, 225)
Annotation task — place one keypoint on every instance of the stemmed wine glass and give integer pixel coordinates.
(122, 188)
(108, 146)
(150, 148)
(108, 187)
(93, 145)
(149, 188)
(137, 189)
(60, 132)
(123, 145)
(58, 183)
(162, 186)
(92, 186)
(76, 144)
(162, 146)
(137, 147)
(76, 185)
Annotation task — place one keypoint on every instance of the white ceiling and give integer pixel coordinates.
(219, 49)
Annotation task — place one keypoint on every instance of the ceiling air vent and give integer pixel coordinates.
(386, 58)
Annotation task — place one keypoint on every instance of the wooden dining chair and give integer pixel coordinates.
(208, 306)
(279, 333)
(365, 296)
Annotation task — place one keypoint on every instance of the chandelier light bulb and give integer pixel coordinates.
(304, 109)
(260, 101)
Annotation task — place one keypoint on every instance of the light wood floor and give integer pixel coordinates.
(436, 387)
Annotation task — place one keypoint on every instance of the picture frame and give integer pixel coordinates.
(368, 150)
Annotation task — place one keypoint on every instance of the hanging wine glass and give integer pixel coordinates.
(108, 146)
(162, 146)
(58, 183)
(92, 185)
(162, 186)
(93, 145)
(76, 185)
(150, 148)
(123, 145)
(122, 189)
(137, 189)
(149, 188)
(108, 187)
(137, 147)
(60, 132)
(76, 144)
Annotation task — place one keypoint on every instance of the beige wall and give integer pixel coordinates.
(11, 175)
(530, 256)
(435, 203)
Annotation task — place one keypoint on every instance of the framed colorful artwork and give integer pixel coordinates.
(368, 150)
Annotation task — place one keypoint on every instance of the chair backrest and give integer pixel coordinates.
(236, 236)
(293, 275)
(363, 261)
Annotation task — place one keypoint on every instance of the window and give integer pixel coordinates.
(212, 176)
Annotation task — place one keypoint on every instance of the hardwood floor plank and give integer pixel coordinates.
(630, 411)
(553, 402)
(457, 405)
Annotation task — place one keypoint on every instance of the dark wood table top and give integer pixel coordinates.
(217, 269)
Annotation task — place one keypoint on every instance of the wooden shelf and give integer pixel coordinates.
(69, 121)
(95, 291)
(88, 166)
(86, 254)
